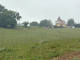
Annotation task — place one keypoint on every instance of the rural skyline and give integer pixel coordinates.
(48, 30)
(37, 10)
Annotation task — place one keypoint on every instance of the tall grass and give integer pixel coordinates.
(37, 44)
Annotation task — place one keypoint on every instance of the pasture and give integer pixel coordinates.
(38, 43)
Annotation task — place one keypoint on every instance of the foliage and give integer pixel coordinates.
(70, 22)
(25, 23)
(1, 8)
(8, 17)
(34, 23)
(76, 59)
(46, 23)
(76, 25)
(57, 26)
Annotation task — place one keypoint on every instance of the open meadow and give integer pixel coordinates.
(38, 43)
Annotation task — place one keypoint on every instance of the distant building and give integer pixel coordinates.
(60, 22)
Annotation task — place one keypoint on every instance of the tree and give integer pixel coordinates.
(46, 23)
(51, 24)
(70, 22)
(34, 23)
(25, 23)
(8, 17)
(1, 8)
(77, 25)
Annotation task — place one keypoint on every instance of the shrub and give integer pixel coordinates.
(57, 26)
(77, 25)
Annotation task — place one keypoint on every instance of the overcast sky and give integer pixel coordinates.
(37, 10)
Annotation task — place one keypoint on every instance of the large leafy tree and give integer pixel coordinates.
(70, 22)
(46, 23)
(34, 23)
(8, 17)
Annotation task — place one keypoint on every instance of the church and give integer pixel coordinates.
(60, 22)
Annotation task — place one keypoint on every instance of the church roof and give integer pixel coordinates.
(59, 19)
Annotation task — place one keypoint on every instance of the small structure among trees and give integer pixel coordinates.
(60, 23)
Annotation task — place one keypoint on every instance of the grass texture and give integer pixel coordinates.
(38, 43)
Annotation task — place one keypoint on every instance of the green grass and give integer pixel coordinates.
(33, 27)
(76, 59)
(19, 27)
(37, 44)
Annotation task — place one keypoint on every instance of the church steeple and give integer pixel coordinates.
(59, 17)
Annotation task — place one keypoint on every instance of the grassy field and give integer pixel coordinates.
(37, 44)
(76, 59)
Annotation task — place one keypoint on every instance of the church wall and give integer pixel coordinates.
(64, 25)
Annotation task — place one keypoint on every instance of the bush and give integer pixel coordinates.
(34, 23)
(57, 26)
(77, 25)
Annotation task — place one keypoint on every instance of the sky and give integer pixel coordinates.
(37, 10)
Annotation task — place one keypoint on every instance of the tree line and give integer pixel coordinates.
(9, 18)
(45, 23)
(48, 23)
